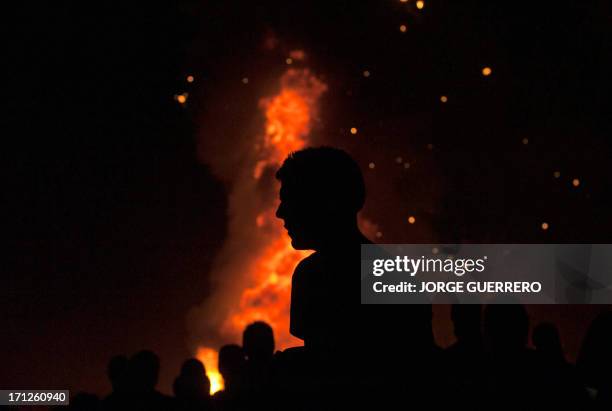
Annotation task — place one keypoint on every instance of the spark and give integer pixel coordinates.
(420, 4)
(486, 71)
(181, 98)
(411, 220)
(190, 79)
(353, 130)
(443, 99)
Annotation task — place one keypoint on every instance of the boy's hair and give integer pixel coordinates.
(326, 171)
(258, 339)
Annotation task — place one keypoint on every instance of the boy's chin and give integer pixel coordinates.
(300, 244)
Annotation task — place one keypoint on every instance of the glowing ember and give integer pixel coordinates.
(289, 118)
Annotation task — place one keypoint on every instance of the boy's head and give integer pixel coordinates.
(322, 190)
(231, 362)
(258, 341)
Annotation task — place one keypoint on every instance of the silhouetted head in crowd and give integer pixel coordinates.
(144, 371)
(117, 372)
(231, 365)
(322, 190)
(467, 321)
(595, 357)
(258, 341)
(506, 327)
(192, 383)
(547, 341)
(193, 367)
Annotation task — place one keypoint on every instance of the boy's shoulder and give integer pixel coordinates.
(310, 263)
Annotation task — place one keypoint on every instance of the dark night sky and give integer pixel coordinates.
(112, 223)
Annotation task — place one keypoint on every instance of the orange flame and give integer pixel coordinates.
(209, 357)
(289, 118)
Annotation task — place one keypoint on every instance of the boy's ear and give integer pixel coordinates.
(331, 205)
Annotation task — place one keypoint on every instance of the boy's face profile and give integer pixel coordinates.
(301, 216)
(321, 192)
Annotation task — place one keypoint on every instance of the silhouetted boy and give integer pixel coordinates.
(258, 346)
(192, 387)
(258, 342)
(117, 374)
(232, 363)
(143, 374)
(322, 190)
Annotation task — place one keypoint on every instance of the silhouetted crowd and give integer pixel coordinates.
(490, 366)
